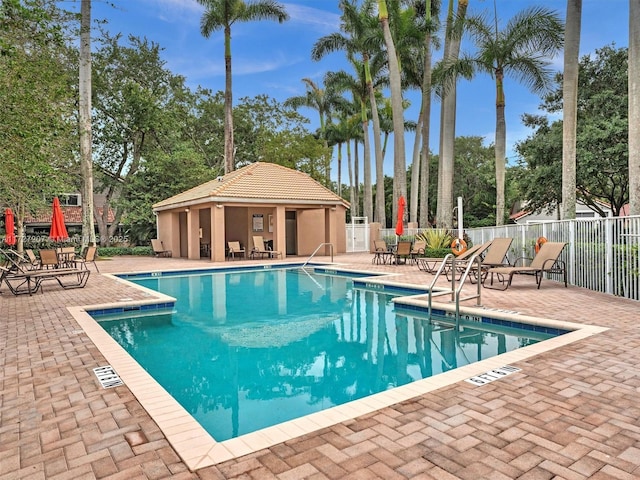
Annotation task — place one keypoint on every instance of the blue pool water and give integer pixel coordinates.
(246, 350)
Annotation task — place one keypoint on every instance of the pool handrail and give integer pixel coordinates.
(316, 251)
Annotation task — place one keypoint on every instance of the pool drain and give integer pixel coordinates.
(108, 377)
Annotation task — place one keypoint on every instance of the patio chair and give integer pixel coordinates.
(66, 256)
(418, 249)
(260, 249)
(402, 253)
(89, 256)
(33, 261)
(495, 256)
(49, 259)
(234, 249)
(431, 265)
(158, 248)
(547, 260)
(381, 252)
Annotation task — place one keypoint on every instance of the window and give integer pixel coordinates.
(70, 199)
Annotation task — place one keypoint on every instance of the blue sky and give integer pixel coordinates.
(271, 58)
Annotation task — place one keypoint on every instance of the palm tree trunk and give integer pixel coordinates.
(367, 206)
(229, 149)
(500, 147)
(339, 169)
(415, 172)
(423, 219)
(444, 213)
(570, 107)
(352, 192)
(379, 215)
(634, 107)
(84, 114)
(395, 85)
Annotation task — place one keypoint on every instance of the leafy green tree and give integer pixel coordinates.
(602, 172)
(37, 129)
(137, 109)
(159, 169)
(221, 15)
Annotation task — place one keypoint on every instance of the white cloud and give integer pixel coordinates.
(320, 20)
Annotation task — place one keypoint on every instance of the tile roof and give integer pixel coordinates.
(261, 181)
(71, 214)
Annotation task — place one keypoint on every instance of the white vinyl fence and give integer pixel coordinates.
(601, 253)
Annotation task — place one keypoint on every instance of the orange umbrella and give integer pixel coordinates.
(400, 224)
(58, 231)
(10, 238)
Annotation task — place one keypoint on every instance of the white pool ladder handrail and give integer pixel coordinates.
(316, 251)
(455, 292)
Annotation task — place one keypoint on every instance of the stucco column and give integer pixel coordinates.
(193, 234)
(280, 231)
(330, 235)
(217, 234)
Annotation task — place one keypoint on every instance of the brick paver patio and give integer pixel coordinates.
(570, 413)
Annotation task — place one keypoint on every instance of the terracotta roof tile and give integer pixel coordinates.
(72, 215)
(261, 181)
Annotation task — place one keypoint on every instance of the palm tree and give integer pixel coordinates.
(359, 38)
(222, 14)
(395, 85)
(321, 99)
(453, 34)
(415, 51)
(522, 50)
(570, 107)
(634, 107)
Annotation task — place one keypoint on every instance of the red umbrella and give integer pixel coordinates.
(10, 238)
(400, 224)
(58, 231)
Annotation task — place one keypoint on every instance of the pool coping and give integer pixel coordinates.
(198, 449)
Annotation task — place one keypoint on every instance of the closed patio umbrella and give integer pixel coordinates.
(400, 223)
(58, 230)
(9, 226)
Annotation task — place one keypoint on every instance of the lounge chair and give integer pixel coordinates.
(431, 265)
(234, 249)
(260, 249)
(30, 281)
(158, 248)
(495, 256)
(547, 260)
(402, 253)
(89, 256)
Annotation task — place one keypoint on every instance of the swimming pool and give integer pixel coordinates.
(242, 351)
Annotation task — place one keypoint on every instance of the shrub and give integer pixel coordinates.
(120, 251)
